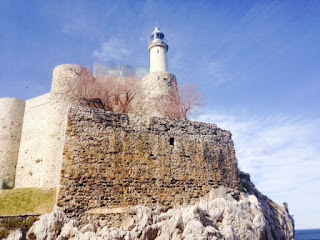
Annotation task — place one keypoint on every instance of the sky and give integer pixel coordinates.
(256, 62)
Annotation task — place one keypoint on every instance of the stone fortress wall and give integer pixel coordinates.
(11, 119)
(33, 145)
(42, 137)
(66, 83)
(104, 162)
(32, 154)
(107, 159)
(113, 161)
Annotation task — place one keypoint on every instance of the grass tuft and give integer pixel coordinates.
(27, 201)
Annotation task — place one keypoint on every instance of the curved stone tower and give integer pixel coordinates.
(44, 126)
(158, 48)
(160, 95)
(11, 119)
(68, 84)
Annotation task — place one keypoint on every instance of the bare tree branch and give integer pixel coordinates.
(190, 100)
(105, 92)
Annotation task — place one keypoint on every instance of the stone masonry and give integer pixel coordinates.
(113, 161)
(32, 131)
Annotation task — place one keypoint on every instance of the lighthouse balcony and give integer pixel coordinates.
(157, 40)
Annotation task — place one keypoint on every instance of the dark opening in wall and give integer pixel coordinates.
(172, 141)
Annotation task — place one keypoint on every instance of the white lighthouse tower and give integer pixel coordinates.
(158, 47)
(159, 95)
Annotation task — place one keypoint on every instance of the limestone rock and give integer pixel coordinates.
(216, 216)
(48, 226)
(15, 235)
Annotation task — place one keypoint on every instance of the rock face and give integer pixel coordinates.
(217, 216)
(280, 224)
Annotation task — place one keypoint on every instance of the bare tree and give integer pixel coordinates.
(117, 95)
(168, 106)
(190, 100)
(107, 92)
(125, 91)
(186, 103)
(89, 92)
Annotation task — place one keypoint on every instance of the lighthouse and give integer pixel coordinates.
(159, 95)
(158, 47)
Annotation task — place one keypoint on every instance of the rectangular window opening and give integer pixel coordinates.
(172, 141)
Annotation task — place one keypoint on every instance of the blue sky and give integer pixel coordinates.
(257, 63)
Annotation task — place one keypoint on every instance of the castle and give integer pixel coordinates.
(144, 173)
(51, 141)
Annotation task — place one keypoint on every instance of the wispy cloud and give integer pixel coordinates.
(281, 154)
(76, 25)
(68, 28)
(218, 73)
(115, 49)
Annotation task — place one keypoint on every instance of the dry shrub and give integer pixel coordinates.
(190, 100)
(110, 93)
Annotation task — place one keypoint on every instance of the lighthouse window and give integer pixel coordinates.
(171, 141)
(157, 50)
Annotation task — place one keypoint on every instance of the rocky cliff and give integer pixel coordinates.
(126, 178)
(216, 216)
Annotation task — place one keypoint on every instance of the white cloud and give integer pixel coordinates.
(218, 73)
(114, 49)
(75, 26)
(67, 28)
(282, 156)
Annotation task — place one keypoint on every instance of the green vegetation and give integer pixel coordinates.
(27, 201)
(12, 224)
(4, 233)
(243, 189)
(31, 236)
